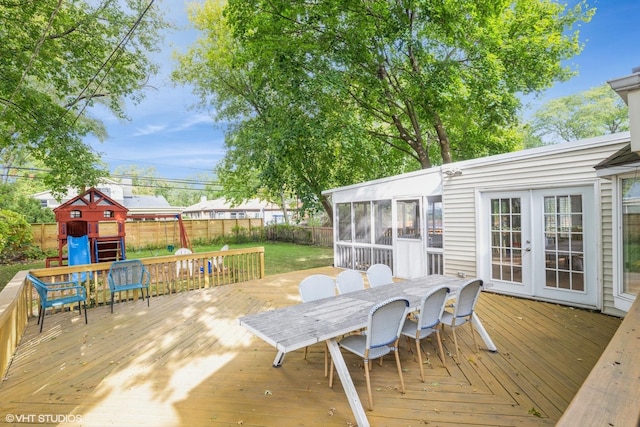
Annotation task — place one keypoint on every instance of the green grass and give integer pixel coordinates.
(278, 258)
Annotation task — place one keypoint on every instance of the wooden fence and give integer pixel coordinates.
(165, 233)
(169, 274)
(319, 236)
(156, 233)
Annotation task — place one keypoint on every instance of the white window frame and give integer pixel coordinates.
(622, 300)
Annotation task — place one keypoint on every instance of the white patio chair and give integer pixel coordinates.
(184, 264)
(384, 324)
(349, 281)
(463, 308)
(379, 274)
(315, 287)
(218, 262)
(428, 322)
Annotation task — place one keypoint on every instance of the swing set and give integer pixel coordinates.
(184, 238)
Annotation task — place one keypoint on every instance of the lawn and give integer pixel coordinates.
(278, 258)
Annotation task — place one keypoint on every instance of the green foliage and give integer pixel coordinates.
(12, 199)
(325, 94)
(15, 237)
(67, 57)
(597, 111)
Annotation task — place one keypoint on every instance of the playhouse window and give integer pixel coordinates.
(108, 214)
(75, 214)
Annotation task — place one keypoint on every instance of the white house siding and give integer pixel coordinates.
(552, 166)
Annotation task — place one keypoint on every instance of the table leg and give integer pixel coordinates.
(347, 383)
(277, 362)
(477, 324)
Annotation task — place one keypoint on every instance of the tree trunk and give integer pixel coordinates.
(443, 139)
(328, 208)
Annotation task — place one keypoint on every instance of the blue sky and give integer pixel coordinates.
(165, 131)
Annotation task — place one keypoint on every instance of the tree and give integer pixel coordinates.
(67, 57)
(597, 111)
(13, 198)
(375, 88)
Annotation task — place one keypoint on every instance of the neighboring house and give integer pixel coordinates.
(223, 209)
(558, 223)
(120, 192)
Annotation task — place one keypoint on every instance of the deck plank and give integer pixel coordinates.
(184, 360)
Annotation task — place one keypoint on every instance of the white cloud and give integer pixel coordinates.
(149, 130)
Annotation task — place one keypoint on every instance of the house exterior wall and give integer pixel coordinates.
(563, 165)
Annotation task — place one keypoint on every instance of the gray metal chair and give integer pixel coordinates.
(427, 322)
(384, 325)
(317, 286)
(463, 309)
(379, 275)
(349, 281)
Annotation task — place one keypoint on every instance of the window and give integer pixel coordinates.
(631, 236)
(382, 222)
(108, 214)
(408, 219)
(434, 222)
(362, 217)
(75, 214)
(344, 221)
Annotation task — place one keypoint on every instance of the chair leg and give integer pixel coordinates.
(41, 320)
(455, 342)
(397, 353)
(147, 297)
(326, 359)
(40, 314)
(112, 302)
(366, 374)
(439, 338)
(473, 335)
(419, 351)
(86, 321)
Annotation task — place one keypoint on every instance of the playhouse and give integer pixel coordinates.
(92, 226)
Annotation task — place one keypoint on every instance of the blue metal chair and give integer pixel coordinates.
(57, 294)
(127, 275)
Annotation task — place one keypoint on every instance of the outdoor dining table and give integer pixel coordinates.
(298, 326)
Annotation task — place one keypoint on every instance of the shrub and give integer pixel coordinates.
(15, 238)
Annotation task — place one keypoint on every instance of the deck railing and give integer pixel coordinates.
(169, 274)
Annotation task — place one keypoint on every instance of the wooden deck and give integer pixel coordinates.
(186, 361)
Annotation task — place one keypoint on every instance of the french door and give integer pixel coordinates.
(542, 243)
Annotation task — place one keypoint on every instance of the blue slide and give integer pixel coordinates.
(78, 249)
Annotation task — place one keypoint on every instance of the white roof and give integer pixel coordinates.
(224, 205)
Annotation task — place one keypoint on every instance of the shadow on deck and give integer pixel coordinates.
(186, 361)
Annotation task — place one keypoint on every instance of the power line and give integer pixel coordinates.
(147, 178)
